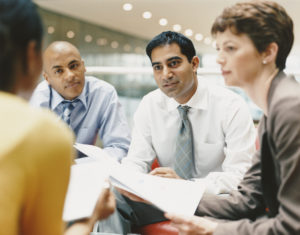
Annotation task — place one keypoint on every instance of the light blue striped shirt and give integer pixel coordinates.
(98, 112)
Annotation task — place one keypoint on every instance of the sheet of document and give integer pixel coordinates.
(85, 186)
(86, 181)
(170, 195)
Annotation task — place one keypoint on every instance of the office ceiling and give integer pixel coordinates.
(197, 15)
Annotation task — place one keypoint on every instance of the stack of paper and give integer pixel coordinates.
(170, 195)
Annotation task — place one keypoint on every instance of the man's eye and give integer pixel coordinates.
(58, 71)
(74, 66)
(157, 67)
(173, 63)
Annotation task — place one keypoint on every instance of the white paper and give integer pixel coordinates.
(170, 195)
(86, 181)
(85, 186)
(97, 154)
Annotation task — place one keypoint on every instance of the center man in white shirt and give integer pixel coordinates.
(223, 130)
(222, 127)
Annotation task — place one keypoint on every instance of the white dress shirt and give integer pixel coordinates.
(223, 132)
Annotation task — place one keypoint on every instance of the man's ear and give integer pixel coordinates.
(195, 63)
(82, 61)
(45, 75)
(270, 54)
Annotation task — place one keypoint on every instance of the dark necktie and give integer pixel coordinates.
(67, 109)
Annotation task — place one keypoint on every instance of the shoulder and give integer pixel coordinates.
(219, 91)
(96, 84)
(221, 96)
(155, 97)
(286, 89)
(40, 94)
(41, 87)
(150, 102)
(285, 101)
(38, 127)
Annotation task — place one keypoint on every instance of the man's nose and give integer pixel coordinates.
(69, 75)
(167, 73)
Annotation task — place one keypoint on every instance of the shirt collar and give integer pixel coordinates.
(198, 101)
(57, 98)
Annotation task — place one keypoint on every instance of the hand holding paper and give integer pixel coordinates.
(87, 179)
(106, 203)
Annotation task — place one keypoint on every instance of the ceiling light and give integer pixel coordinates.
(51, 30)
(188, 32)
(70, 34)
(147, 15)
(176, 27)
(127, 7)
(163, 22)
(207, 40)
(101, 41)
(198, 37)
(127, 47)
(88, 38)
(114, 44)
(138, 50)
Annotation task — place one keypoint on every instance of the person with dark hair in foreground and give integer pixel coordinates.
(253, 41)
(36, 149)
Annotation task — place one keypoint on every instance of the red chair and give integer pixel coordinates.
(160, 228)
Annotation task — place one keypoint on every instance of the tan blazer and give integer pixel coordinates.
(271, 186)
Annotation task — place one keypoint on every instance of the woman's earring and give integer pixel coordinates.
(264, 62)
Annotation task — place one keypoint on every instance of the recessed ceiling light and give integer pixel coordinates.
(163, 21)
(88, 38)
(51, 30)
(127, 7)
(138, 50)
(127, 47)
(101, 41)
(70, 34)
(207, 40)
(114, 44)
(147, 15)
(188, 32)
(176, 27)
(198, 37)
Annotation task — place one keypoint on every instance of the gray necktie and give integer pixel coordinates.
(68, 107)
(184, 156)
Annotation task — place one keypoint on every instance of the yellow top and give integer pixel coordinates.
(35, 159)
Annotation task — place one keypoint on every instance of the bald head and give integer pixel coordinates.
(57, 49)
(64, 69)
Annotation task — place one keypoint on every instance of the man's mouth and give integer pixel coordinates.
(170, 84)
(71, 85)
